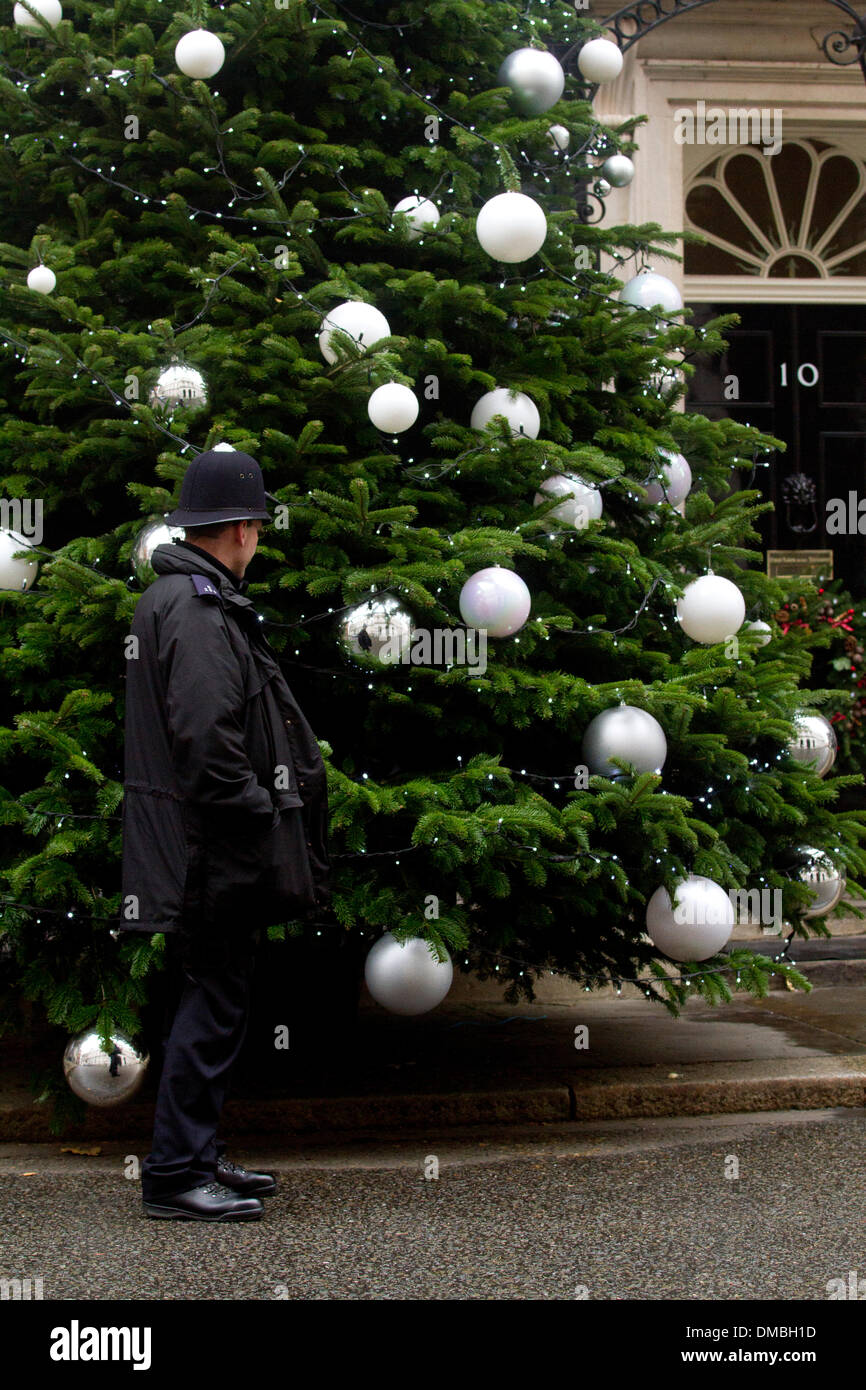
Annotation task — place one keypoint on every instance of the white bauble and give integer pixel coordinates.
(511, 227)
(223, 448)
(495, 599)
(815, 742)
(600, 60)
(711, 609)
(678, 480)
(535, 77)
(584, 506)
(559, 137)
(628, 733)
(406, 977)
(104, 1078)
(41, 279)
(618, 169)
(422, 214)
(520, 411)
(697, 926)
(649, 291)
(361, 321)
(50, 10)
(15, 574)
(393, 407)
(199, 53)
(762, 631)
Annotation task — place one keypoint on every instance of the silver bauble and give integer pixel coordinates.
(535, 77)
(151, 535)
(824, 879)
(628, 733)
(178, 386)
(104, 1078)
(815, 742)
(618, 170)
(406, 978)
(601, 188)
(376, 632)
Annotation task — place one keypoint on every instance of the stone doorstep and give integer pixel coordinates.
(710, 1088)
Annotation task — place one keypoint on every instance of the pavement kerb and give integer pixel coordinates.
(606, 1093)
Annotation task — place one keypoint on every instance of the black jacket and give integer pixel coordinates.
(225, 800)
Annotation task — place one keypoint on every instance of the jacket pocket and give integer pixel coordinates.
(258, 880)
(155, 857)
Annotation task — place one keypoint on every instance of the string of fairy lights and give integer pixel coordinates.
(594, 146)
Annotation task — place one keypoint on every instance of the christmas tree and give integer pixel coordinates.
(177, 224)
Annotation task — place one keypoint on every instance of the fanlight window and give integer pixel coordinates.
(800, 213)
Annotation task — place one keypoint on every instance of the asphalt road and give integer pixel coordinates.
(614, 1210)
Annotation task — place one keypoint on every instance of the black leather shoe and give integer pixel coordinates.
(212, 1202)
(240, 1180)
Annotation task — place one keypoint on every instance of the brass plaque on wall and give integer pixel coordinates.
(802, 564)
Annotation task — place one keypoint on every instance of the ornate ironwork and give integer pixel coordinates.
(633, 22)
(839, 43)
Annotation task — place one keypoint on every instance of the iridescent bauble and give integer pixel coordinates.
(535, 77)
(823, 878)
(178, 386)
(496, 600)
(406, 978)
(711, 609)
(151, 535)
(678, 480)
(104, 1078)
(814, 743)
(376, 632)
(696, 925)
(650, 291)
(628, 733)
(583, 506)
(16, 574)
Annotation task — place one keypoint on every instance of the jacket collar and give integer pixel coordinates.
(174, 558)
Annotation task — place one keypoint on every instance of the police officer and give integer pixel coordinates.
(224, 820)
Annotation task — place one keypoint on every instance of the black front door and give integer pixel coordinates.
(799, 372)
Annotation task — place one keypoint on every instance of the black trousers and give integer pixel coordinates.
(206, 1035)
